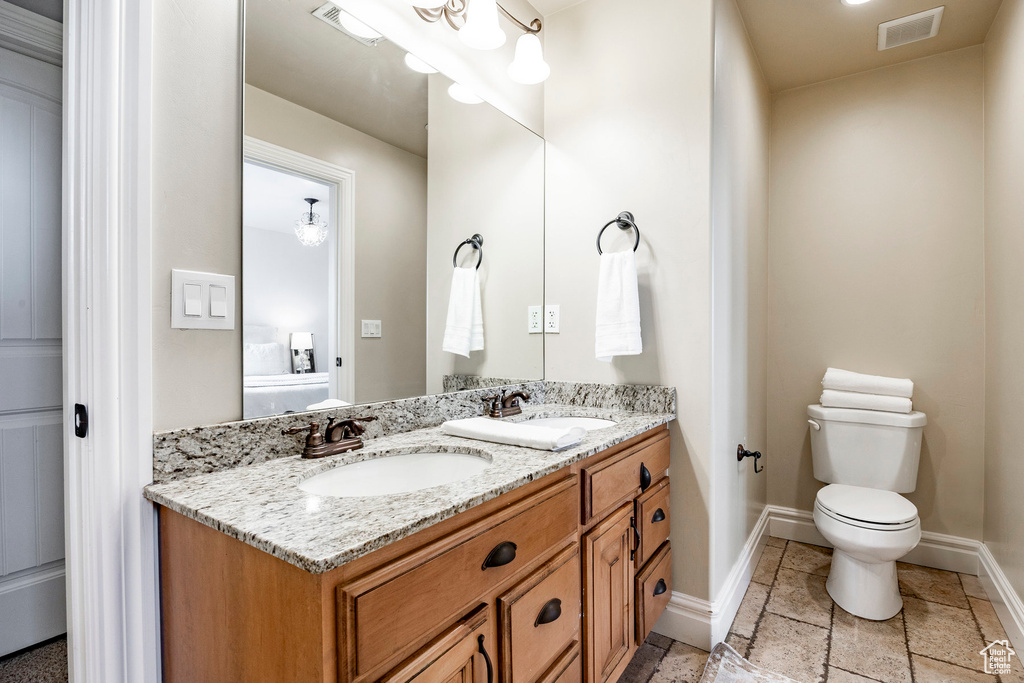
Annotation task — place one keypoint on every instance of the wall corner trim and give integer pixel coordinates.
(1008, 605)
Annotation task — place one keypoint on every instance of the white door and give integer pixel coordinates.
(32, 589)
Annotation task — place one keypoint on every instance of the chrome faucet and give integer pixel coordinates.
(339, 437)
(504, 405)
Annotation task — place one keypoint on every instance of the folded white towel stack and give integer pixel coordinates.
(844, 380)
(618, 307)
(515, 433)
(464, 331)
(845, 389)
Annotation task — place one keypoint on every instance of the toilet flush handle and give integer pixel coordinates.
(814, 425)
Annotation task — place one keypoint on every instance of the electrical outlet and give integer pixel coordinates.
(371, 329)
(534, 319)
(551, 316)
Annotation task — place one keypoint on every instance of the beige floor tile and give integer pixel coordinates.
(643, 664)
(972, 586)
(933, 585)
(766, 566)
(988, 620)
(802, 597)
(776, 542)
(812, 559)
(750, 609)
(790, 648)
(877, 649)
(658, 640)
(932, 671)
(941, 632)
(738, 643)
(839, 676)
(681, 664)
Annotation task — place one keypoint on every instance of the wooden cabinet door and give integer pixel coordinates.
(608, 587)
(459, 655)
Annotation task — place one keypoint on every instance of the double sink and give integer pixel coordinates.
(409, 472)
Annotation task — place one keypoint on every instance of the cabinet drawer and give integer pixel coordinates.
(540, 618)
(568, 668)
(623, 475)
(385, 614)
(653, 519)
(458, 654)
(653, 591)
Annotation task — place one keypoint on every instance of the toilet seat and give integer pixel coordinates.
(867, 508)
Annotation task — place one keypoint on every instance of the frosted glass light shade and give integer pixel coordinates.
(461, 93)
(418, 65)
(302, 340)
(481, 31)
(356, 27)
(426, 4)
(529, 66)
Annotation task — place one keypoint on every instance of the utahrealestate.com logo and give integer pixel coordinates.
(997, 657)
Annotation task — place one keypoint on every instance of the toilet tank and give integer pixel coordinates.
(867, 448)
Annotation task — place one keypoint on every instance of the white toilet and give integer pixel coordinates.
(867, 458)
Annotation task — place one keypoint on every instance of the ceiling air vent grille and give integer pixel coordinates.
(909, 29)
(331, 14)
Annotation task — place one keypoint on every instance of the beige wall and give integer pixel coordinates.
(876, 263)
(486, 175)
(197, 209)
(739, 228)
(1004, 252)
(390, 238)
(628, 127)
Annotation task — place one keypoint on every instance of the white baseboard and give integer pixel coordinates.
(702, 623)
(1004, 599)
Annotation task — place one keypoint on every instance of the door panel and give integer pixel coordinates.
(608, 587)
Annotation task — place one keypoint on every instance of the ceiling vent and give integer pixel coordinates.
(909, 29)
(331, 14)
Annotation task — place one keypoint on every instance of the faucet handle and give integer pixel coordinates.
(315, 438)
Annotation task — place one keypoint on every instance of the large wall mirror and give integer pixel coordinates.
(362, 176)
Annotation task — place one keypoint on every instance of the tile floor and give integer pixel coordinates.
(788, 624)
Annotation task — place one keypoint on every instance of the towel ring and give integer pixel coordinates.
(625, 221)
(477, 242)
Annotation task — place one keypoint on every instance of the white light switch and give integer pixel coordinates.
(202, 301)
(193, 298)
(371, 329)
(218, 301)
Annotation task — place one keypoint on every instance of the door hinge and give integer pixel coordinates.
(337, 361)
(81, 421)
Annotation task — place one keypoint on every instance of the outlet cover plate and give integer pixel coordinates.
(551, 318)
(534, 319)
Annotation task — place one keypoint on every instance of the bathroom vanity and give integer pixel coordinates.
(548, 566)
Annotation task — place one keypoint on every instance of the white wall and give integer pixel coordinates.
(1004, 251)
(628, 126)
(486, 175)
(739, 227)
(877, 266)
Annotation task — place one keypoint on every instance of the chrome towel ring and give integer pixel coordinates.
(477, 242)
(624, 221)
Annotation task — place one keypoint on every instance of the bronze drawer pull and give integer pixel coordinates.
(636, 532)
(645, 477)
(660, 587)
(659, 516)
(502, 554)
(551, 610)
(487, 660)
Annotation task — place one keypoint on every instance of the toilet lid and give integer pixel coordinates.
(872, 506)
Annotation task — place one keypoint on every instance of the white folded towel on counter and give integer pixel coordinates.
(464, 331)
(515, 433)
(618, 307)
(844, 380)
(852, 399)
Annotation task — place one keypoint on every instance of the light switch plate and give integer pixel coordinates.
(535, 319)
(214, 312)
(371, 329)
(551, 318)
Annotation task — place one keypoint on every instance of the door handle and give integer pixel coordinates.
(660, 587)
(487, 660)
(645, 477)
(500, 555)
(551, 610)
(659, 516)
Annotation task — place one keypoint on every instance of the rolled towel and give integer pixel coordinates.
(844, 380)
(464, 330)
(515, 433)
(618, 307)
(851, 399)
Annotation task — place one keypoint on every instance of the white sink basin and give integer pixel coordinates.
(588, 423)
(395, 474)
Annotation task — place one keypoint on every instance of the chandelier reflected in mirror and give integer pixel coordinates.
(310, 228)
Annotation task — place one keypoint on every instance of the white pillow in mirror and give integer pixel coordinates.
(259, 334)
(265, 359)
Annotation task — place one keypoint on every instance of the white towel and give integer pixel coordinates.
(852, 399)
(844, 380)
(618, 307)
(464, 331)
(515, 433)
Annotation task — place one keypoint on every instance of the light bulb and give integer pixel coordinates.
(481, 31)
(417, 64)
(461, 93)
(529, 66)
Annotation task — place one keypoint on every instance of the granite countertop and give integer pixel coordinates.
(263, 506)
